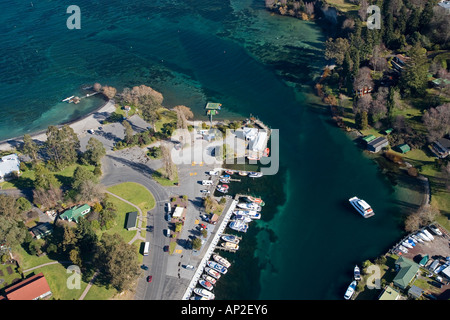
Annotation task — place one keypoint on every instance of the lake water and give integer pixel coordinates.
(236, 53)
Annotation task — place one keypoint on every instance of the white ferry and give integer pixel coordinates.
(362, 207)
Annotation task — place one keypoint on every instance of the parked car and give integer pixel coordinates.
(166, 248)
(202, 226)
(213, 173)
(149, 278)
(188, 266)
(435, 283)
(205, 191)
(144, 267)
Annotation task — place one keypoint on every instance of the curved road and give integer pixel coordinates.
(118, 170)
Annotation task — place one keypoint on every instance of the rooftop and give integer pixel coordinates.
(29, 289)
(9, 164)
(75, 212)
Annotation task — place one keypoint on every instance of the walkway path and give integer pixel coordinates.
(46, 264)
(88, 286)
(141, 217)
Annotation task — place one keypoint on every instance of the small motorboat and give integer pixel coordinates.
(243, 173)
(428, 234)
(255, 174)
(205, 284)
(217, 266)
(225, 176)
(212, 273)
(411, 242)
(231, 238)
(407, 244)
(224, 180)
(402, 249)
(244, 218)
(255, 200)
(356, 273)
(435, 230)
(222, 260)
(229, 245)
(209, 279)
(417, 238)
(249, 206)
(423, 236)
(350, 290)
(204, 293)
(229, 172)
(238, 225)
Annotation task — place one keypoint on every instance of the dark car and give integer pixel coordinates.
(144, 267)
(166, 248)
(149, 278)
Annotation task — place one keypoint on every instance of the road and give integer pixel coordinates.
(118, 170)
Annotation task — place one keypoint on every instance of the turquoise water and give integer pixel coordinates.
(252, 62)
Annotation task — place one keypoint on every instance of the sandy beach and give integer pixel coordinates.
(80, 126)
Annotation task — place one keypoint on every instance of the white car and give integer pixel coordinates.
(190, 267)
(213, 173)
(205, 191)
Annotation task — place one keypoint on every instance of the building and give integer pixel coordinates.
(407, 270)
(446, 272)
(389, 293)
(441, 147)
(179, 214)
(73, 214)
(131, 222)
(33, 288)
(9, 165)
(415, 292)
(377, 144)
(369, 138)
(41, 230)
(404, 148)
(445, 4)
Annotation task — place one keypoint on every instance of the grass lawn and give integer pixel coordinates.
(343, 5)
(166, 116)
(136, 194)
(7, 278)
(159, 176)
(26, 180)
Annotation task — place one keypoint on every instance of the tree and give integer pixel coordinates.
(196, 243)
(336, 49)
(80, 175)
(97, 87)
(128, 131)
(43, 178)
(437, 121)
(23, 205)
(167, 162)
(183, 114)
(94, 151)
(117, 261)
(362, 12)
(109, 92)
(414, 76)
(11, 231)
(62, 145)
(30, 148)
(89, 191)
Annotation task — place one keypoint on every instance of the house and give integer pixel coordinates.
(446, 272)
(33, 288)
(404, 148)
(407, 270)
(131, 221)
(388, 131)
(8, 166)
(73, 214)
(41, 230)
(179, 214)
(389, 293)
(441, 147)
(377, 144)
(415, 292)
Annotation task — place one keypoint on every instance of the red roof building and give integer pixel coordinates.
(33, 288)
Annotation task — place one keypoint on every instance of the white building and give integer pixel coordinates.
(8, 165)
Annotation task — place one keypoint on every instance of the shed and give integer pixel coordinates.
(33, 288)
(131, 220)
(178, 213)
(404, 148)
(73, 214)
(407, 271)
(415, 292)
(377, 144)
(388, 131)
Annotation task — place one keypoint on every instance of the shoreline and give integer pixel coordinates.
(79, 125)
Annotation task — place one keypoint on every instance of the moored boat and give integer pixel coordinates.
(362, 207)
(244, 218)
(217, 266)
(230, 238)
(266, 152)
(243, 173)
(204, 293)
(402, 249)
(222, 260)
(229, 172)
(238, 225)
(258, 201)
(417, 238)
(356, 273)
(213, 273)
(428, 234)
(229, 245)
(205, 284)
(249, 213)
(209, 279)
(225, 176)
(222, 189)
(255, 174)
(224, 180)
(407, 244)
(423, 236)
(249, 206)
(350, 290)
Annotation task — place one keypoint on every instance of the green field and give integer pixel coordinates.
(159, 176)
(134, 193)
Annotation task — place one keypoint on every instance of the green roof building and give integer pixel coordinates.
(73, 214)
(388, 131)
(404, 148)
(369, 138)
(407, 271)
(131, 220)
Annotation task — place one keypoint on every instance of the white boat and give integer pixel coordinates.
(244, 218)
(250, 213)
(417, 238)
(350, 290)
(249, 206)
(221, 189)
(223, 180)
(428, 234)
(204, 293)
(230, 238)
(212, 273)
(362, 207)
(407, 244)
(238, 225)
(255, 174)
(423, 236)
(229, 245)
(435, 230)
(209, 279)
(222, 260)
(356, 273)
(217, 266)
(205, 284)
(402, 249)
(411, 239)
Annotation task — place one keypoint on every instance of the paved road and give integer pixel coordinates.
(118, 170)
